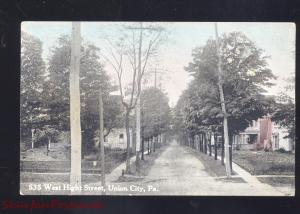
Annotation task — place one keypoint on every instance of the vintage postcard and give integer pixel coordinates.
(157, 108)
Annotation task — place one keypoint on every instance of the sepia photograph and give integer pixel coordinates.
(157, 108)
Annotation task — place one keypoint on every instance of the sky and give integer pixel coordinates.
(276, 39)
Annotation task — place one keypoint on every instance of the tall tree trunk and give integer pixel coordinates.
(154, 139)
(225, 122)
(150, 144)
(128, 141)
(230, 149)
(138, 135)
(32, 139)
(215, 146)
(222, 152)
(133, 144)
(210, 144)
(205, 142)
(101, 137)
(201, 140)
(75, 175)
(48, 145)
(143, 142)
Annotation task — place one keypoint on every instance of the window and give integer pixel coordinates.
(276, 141)
(252, 138)
(121, 138)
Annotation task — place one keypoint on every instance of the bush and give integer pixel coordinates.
(281, 150)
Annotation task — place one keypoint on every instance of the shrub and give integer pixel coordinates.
(281, 150)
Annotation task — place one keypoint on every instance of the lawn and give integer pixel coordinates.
(265, 163)
(59, 179)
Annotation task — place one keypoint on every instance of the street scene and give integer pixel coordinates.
(157, 108)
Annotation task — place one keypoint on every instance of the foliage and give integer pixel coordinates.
(244, 72)
(284, 109)
(155, 112)
(92, 77)
(32, 78)
(45, 95)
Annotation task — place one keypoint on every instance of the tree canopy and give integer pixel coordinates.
(155, 112)
(32, 78)
(284, 109)
(45, 91)
(244, 74)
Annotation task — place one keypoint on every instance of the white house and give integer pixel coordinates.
(117, 138)
(279, 141)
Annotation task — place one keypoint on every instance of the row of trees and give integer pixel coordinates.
(46, 91)
(155, 116)
(137, 46)
(244, 75)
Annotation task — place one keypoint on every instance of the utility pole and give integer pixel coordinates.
(101, 138)
(225, 123)
(138, 104)
(75, 175)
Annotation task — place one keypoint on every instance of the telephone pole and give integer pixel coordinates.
(75, 175)
(138, 104)
(101, 138)
(225, 122)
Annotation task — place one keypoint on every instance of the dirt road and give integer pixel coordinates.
(178, 172)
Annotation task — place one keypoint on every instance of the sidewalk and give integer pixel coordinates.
(252, 180)
(117, 172)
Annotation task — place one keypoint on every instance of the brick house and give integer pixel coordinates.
(263, 134)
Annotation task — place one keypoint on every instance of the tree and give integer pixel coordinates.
(284, 109)
(223, 105)
(113, 115)
(92, 77)
(178, 127)
(130, 49)
(32, 112)
(244, 72)
(156, 112)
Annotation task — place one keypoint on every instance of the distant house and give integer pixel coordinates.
(263, 134)
(117, 138)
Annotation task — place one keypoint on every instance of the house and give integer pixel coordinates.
(117, 138)
(279, 141)
(263, 134)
